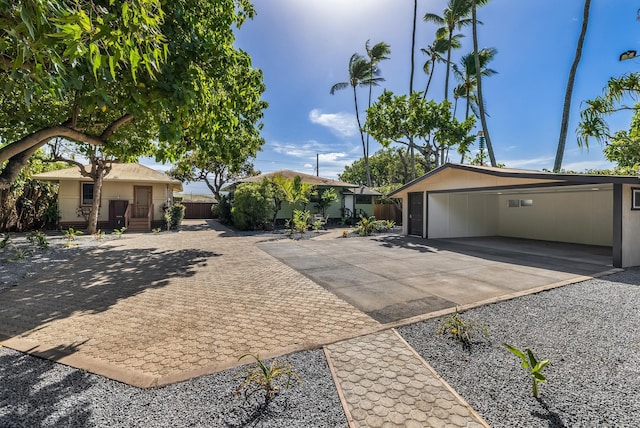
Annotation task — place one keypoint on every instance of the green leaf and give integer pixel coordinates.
(515, 351)
(532, 360)
(539, 376)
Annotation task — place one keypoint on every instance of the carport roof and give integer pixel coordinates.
(556, 179)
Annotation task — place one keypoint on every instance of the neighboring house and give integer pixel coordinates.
(456, 200)
(353, 200)
(132, 196)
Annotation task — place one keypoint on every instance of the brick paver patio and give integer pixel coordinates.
(150, 309)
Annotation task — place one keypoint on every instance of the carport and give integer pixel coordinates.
(468, 201)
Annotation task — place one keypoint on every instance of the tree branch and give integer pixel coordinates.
(117, 124)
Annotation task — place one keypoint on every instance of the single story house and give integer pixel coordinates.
(353, 200)
(455, 201)
(132, 196)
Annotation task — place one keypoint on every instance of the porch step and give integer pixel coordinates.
(138, 225)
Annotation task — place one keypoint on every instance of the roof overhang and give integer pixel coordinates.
(466, 178)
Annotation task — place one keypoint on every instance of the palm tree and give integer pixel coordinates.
(483, 117)
(564, 125)
(359, 75)
(435, 51)
(376, 53)
(455, 16)
(466, 73)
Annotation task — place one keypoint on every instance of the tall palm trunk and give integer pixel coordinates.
(413, 58)
(480, 101)
(562, 141)
(424, 96)
(364, 146)
(446, 79)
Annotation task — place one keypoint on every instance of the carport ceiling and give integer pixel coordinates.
(532, 189)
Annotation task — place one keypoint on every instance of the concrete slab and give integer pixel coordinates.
(441, 273)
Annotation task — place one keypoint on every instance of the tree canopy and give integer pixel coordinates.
(134, 77)
(427, 126)
(389, 166)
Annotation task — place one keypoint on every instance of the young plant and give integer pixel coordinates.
(317, 225)
(19, 255)
(267, 378)
(70, 235)
(462, 330)
(38, 238)
(530, 364)
(366, 226)
(99, 235)
(389, 224)
(5, 241)
(345, 233)
(301, 220)
(156, 230)
(119, 232)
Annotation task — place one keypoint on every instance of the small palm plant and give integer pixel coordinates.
(119, 232)
(530, 364)
(267, 378)
(462, 330)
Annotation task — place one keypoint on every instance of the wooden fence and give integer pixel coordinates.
(387, 212)
(197, 210)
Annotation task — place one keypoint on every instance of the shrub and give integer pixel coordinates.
(222, 210)
(173, 215)
(252, 206)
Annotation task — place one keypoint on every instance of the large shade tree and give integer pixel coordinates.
(405, 119)
(121, 76)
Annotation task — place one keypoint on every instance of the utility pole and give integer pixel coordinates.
(317, 164)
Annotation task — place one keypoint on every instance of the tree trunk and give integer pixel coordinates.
(446, 79)
(92, 226)
(364, 146)
(413, 45)
(562, 140)
(480, 101)
(426, 89)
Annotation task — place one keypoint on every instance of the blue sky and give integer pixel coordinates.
(303, 48)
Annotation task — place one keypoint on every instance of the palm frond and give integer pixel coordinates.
(338, 86)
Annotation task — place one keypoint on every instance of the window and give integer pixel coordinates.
(87, 194)
(514, 203)
(526, 202)
(635, 199)
(363, 199)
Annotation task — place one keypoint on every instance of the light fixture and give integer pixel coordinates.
(630, 54)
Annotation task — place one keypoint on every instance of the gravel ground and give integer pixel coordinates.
(591, 333)
(41, 393)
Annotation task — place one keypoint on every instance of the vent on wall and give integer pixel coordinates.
(517, 203)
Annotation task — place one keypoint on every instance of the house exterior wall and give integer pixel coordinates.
(630, 230)
(584, 217)
(69, 199)
(459, 215)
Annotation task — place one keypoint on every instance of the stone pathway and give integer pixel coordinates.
(383, 382)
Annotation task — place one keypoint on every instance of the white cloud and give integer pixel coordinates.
(342, 124)
(534, 163)
(585, 165)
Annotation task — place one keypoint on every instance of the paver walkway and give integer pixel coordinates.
(151, 309)
(385, 383)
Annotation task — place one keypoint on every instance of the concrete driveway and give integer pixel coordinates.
(394, 277)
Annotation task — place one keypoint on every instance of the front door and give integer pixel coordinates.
(416, 205)
(117, 209)
(141, 201)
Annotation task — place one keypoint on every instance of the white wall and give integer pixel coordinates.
(630, 230)
(457, 215)
(582, 217)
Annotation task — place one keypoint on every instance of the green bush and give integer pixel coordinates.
(173, 215)
(252, 206)
(222, 210)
